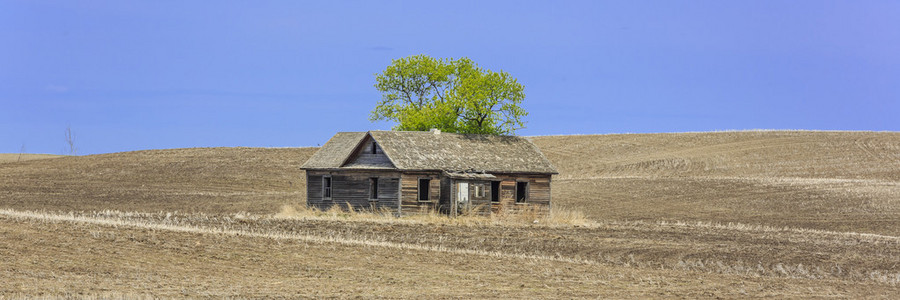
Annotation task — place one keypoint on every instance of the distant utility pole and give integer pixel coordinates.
(21, 151)
(70, 141)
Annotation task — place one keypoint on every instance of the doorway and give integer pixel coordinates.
(462, 197)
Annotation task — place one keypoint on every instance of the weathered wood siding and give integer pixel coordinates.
(444, 204)
(352, 187)
(399, 192)
(480, 205)
(538, 193)
(409, 192)
(363, 156)
(454, 206)
(314, 189)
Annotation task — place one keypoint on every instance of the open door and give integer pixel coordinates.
(462, 197)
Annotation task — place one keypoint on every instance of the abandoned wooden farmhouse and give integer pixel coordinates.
(410, 172)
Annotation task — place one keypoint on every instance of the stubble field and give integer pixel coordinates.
(722, 214)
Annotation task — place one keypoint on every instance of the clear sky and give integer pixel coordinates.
(131, 75)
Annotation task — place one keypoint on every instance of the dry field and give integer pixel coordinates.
(132, 255)
(723, 214)
(840, 181)
(212, 180)
(16, 157)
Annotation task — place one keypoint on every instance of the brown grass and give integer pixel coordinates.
(531, 217)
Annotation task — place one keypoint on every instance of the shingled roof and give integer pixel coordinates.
(335, 151)
(424, 150)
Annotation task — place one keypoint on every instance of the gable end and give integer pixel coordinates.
(368, 154)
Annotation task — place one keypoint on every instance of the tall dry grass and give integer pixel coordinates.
(527, 216)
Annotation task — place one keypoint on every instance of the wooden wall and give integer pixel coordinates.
(409, 192)
(479, 205)
(399, 192)
(352, 187)
(538, 193)
(444, 204)
(363, 155)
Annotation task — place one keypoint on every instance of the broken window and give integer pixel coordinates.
(424, 184)
(326, 187)
(479, 191)
(521, 192)
(374, 147)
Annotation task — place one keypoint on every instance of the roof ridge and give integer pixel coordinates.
(427, 150)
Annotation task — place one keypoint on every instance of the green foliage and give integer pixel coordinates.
(454, 95)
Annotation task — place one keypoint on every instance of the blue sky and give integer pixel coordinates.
(131, 75)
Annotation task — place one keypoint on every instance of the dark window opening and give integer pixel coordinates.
(521, 192)
(495, 191)
(424, 184)
(326, 187)
(374, 147)
(373, 188)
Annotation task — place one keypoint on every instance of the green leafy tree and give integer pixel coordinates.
(454, 95)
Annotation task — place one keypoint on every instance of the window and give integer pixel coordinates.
(326, 187)
(479, 191)
(495, 191)
(373, 188)
(374, 147)
(521, 192)
(424, 184)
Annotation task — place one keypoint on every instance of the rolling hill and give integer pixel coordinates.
(211, 180)
(841, 181)
(19, 157)
(718, 214)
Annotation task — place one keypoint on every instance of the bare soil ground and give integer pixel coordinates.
(212, 180)
(164, 255)
(720, 214)
(841, 181)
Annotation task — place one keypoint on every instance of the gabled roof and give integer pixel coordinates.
(335, 152)
(424, 150)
